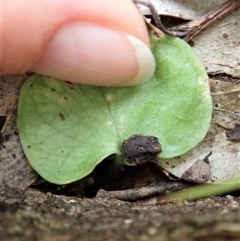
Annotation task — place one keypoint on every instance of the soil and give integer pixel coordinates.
(33, 215)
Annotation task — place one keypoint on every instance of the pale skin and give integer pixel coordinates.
(97, 42)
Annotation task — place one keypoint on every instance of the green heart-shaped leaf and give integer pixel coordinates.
(67, 129)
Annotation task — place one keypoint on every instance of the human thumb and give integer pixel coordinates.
(77, 41)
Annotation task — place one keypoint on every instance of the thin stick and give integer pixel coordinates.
(195, 26)
(192, 28)
(157, 19)
(6, 119)
(226, 92)
(227, 111)
(142, 192)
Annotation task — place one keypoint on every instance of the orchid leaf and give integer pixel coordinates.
(67, 129)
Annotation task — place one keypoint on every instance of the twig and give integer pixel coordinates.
(3, 123)
(227, 111)
(195, 26)
(157, 19)
(226, 92)
(142, 192)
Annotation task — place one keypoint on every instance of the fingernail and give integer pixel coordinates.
(95, 55)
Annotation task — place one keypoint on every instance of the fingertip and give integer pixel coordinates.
(27, 36)
(145, 59)
(92, 54)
